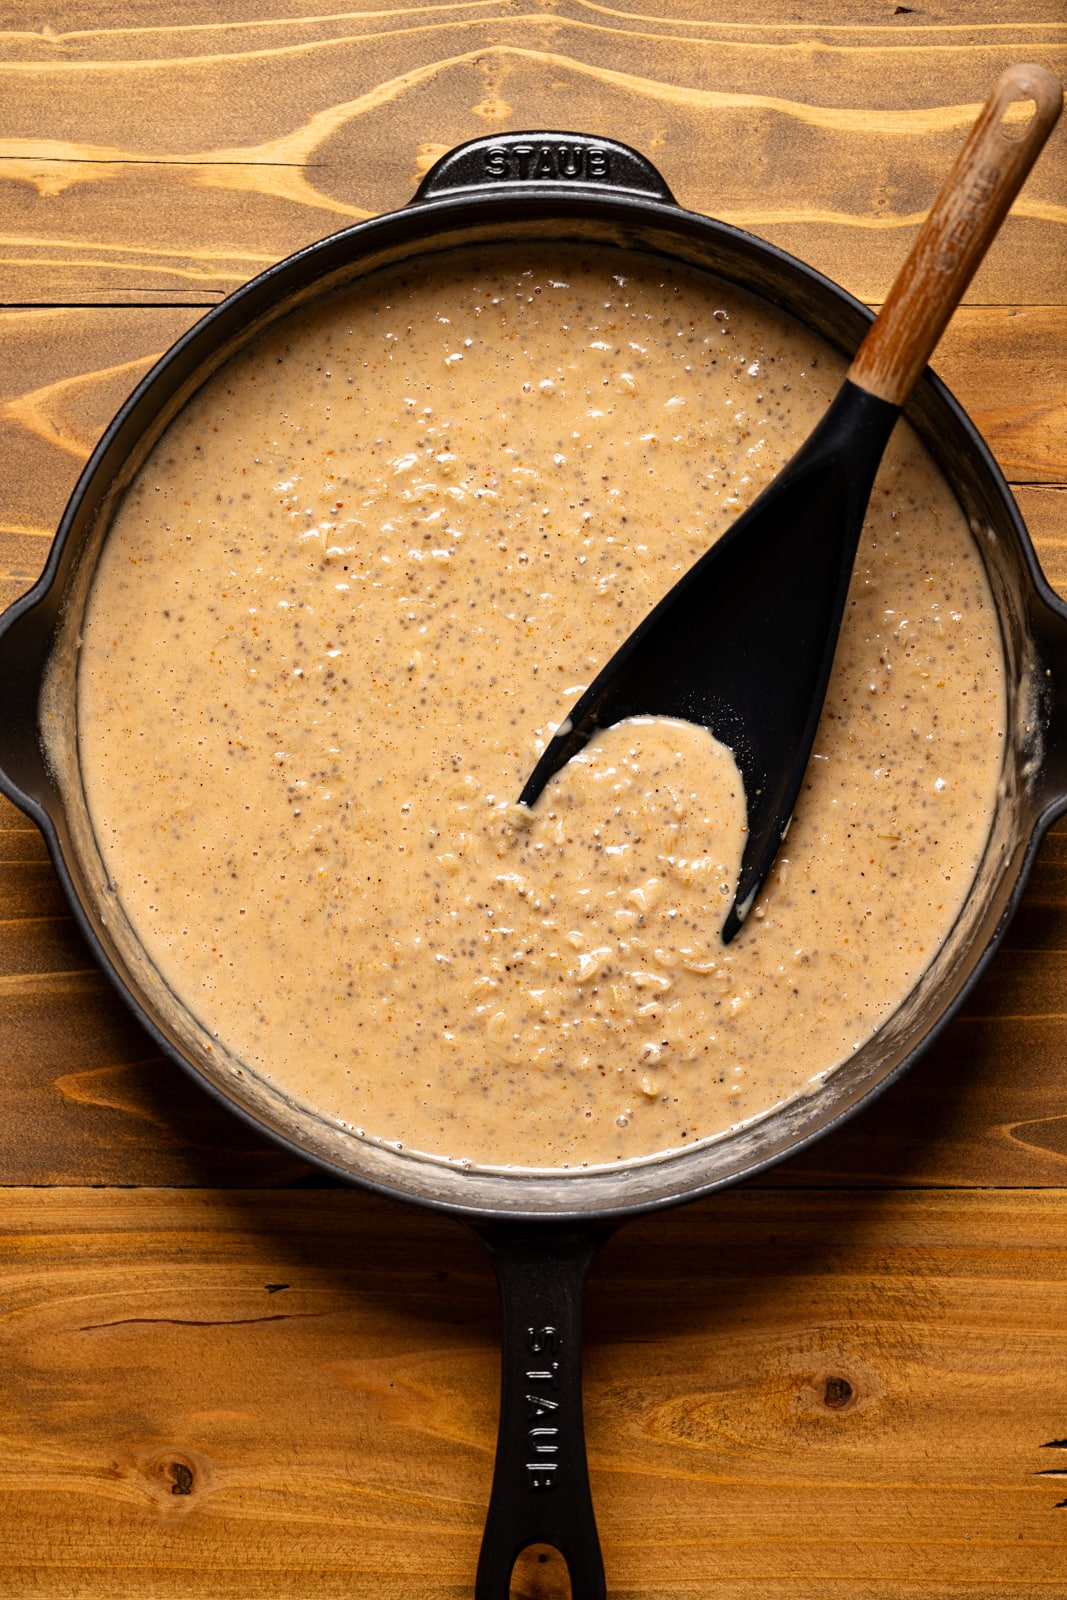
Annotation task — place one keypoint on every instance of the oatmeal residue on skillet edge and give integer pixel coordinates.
(361, 578)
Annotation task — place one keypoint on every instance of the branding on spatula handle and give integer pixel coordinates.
(542, 1409)
(978, 196)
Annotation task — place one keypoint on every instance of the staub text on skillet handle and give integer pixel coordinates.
(543, 161)
(540, 1491)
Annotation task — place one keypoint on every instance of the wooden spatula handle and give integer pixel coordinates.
(958, 231)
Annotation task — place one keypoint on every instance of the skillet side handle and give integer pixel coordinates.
(543, 163)
(540, 1491)
(1046, 713)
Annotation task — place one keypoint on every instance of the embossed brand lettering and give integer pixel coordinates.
(979, 192)
(551, 161)
(548, 1374)
(543, 1441)
(542, 1436)
(540, 1405)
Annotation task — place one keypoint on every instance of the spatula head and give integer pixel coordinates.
(744, 642)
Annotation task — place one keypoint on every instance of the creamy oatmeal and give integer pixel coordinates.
(363, 576)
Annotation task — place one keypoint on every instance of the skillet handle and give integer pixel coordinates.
(1046, 706)
(540, 1491)
(528, 164)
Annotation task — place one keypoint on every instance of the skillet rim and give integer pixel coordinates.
(426, 223)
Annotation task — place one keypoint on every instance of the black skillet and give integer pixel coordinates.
(541, 1231)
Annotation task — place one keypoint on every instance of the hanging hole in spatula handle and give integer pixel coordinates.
(988, 174)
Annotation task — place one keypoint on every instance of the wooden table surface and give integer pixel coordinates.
(222, 1376)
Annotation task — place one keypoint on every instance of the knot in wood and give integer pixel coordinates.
(837, 1394)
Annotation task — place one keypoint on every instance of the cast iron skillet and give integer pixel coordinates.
(542, 1231)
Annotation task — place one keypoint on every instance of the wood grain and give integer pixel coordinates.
(1008, 367)
(244, 1392)
(172, 160)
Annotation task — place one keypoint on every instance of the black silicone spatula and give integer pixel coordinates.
(744, 643)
